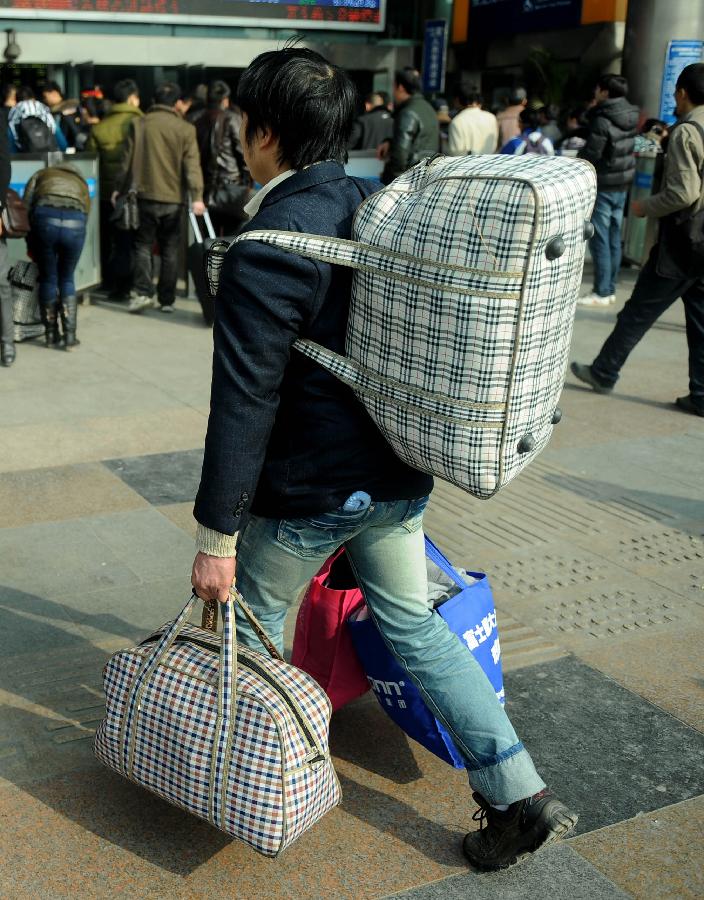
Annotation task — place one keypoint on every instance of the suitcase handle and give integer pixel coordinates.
(193, 218)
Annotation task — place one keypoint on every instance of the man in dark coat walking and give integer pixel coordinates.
(673, 269)
(292, 447)
(609, 148)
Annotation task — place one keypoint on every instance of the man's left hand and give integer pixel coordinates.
(637, 209)
(212, 576)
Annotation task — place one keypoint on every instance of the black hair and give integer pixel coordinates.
(656, 125)
(468, 93)
(529, 118)
(518, 95)
(374, 99)
(51, 86)
(307, 103)
(408, 78)
(94, 106)
(385, 97)
(616, 85)
(691, 80)
(217, 91)
(168, 93)
(24, 92)
(124, 89)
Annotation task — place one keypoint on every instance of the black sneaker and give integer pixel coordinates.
(688, 404)
(585, 374)
(504, 838)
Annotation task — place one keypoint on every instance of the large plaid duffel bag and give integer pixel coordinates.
(26, 312)
(237, 737)
(466, 275)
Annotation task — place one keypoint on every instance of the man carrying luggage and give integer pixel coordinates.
(291, 450)
(674, 268)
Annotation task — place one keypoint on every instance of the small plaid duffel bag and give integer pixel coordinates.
(466, 275)
(236, 737)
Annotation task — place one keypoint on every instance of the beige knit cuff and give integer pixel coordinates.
(214, 543)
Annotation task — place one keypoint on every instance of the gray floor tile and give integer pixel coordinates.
(606, 752)
(557, 872)
(161, 477)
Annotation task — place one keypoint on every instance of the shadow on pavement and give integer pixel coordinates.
(684, 514)
(628, 398)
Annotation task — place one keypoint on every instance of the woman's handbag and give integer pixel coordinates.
(236, 737)
(322, 645)
(15, 217)
(469, 613)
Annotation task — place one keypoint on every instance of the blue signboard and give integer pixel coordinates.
(434, 56)
(679, 55)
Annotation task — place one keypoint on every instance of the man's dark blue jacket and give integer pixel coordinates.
(285, 438)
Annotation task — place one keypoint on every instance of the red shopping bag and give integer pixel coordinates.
(322, 645)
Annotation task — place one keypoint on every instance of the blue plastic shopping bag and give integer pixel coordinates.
(470, 614)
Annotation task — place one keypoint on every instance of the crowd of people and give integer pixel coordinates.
(150, 161)
(188, 149)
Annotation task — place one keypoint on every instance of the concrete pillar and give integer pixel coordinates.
(650, 26)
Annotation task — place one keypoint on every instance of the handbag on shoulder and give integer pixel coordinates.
(236, 737)
(15, 216)
(125, 215)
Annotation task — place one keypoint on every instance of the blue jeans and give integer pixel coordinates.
(57, 239)
(276, 561)
(605, 245)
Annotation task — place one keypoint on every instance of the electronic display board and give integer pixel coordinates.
(367, 15)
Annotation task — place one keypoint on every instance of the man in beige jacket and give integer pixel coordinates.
(672, 270)
(162, 161)
(473, 130)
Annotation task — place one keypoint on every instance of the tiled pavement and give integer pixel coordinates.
(597, 561)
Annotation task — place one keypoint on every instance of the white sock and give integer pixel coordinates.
(502, 807)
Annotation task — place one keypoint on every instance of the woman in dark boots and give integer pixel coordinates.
(58, 202)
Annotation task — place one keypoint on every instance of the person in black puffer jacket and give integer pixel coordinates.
(611, 131)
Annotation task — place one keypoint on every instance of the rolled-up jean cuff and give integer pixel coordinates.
(512, 778)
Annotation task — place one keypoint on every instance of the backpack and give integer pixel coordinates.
(534, 143)
(466, 272)
(35, 136)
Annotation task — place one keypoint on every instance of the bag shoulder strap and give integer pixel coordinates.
(137, 152)
(436, 555)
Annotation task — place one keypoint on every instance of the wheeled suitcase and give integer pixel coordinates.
(236, 737)
(466, 275)
(195, 259)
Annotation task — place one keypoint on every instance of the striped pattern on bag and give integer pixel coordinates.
(462, 308)
(255, 763)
